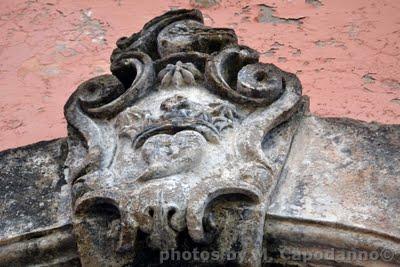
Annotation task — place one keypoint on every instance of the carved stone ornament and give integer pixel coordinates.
(192, 144)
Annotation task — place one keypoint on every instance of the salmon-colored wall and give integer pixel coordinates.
(346, 53)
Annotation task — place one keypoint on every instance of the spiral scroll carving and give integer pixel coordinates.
(235, 73)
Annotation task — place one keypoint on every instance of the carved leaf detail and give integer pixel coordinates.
(180, 74)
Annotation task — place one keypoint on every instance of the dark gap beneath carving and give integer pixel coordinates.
(105, 210)
(125, 73)
(151, 212)
(171, 213)
(214, 46)
(261, 76)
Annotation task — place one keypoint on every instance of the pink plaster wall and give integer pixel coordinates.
(346, 53)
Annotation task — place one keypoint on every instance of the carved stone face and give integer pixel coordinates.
(177, 126)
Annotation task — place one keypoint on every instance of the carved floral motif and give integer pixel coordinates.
(179, 74)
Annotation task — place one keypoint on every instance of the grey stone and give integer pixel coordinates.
(192, 144)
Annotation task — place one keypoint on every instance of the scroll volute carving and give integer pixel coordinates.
(99, 99)
(161, 146)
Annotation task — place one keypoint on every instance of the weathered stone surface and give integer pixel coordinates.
(340, 188)
(35, 206)
(349, 175)
(192, 143)
(33, 191)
